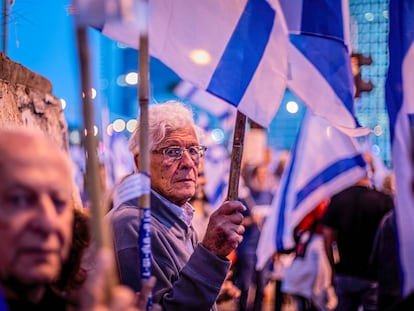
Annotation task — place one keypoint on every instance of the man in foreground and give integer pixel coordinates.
(36, 228)
(189, 273)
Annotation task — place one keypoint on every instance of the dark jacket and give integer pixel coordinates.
(188, 278)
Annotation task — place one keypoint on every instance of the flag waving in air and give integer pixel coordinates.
(320, 72)
(233, 49)
(400, 105)
(323, 162)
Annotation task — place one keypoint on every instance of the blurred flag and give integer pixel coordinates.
(320, 72)
(216, 169)
(400, 104)
(323, 162)
(96, 13)
(221, 110)
(233, 49)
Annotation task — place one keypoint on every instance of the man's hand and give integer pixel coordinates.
(145, 294)
(95, 292)
(225, 231)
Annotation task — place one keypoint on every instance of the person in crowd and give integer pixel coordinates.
(202, 208)
(281, 263)
(189, 273)
(257, 196)
(37, 199)
(384, 257)
(202, 212)
(308, 280)
(407, 302)
(385, 263)
(350, 223)
(388, 184)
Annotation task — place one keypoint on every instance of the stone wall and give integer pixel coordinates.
(26, 99)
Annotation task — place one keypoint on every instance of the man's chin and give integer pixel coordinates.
(185, 192)
(43, 274)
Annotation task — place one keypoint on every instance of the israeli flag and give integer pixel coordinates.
(323, 162)
(221, 110)
(400, 104)
(233, 49)
(320, 72)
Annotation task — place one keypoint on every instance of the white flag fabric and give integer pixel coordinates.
(233, 49)
(323, 162)
(400, 105)
(320, 72)
(225, 113)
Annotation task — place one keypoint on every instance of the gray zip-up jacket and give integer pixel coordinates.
(186, 279)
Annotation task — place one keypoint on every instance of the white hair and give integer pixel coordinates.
(163, 119)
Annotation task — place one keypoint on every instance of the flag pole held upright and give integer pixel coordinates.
(100, 236)
(143, 98)
(236, 156)
(91, 144)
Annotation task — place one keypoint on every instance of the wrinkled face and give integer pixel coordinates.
(36, 216)
(175, 179)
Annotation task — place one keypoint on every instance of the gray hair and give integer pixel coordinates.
(163, 119)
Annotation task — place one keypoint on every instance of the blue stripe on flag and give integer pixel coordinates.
(191, 92)
(328, 57)
(327, 175)
(411, 119)
(243, 53)
(323, 17)
(280, 227)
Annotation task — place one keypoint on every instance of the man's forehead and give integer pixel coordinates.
(35, 161)
(182, 134)
(37, 176)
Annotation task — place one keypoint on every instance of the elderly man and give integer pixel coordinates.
(189, 274)
(36, 227)
(36, 216)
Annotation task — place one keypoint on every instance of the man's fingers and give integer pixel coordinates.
(123, 299)
(95, 285)
(240, 229)
(145, 293)
(230, 207)
(236, 218)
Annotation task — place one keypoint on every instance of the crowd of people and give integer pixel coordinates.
(345, 255)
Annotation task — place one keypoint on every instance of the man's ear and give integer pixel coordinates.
(136, 162)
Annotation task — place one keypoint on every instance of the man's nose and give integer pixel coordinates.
(47, 213)
(187, 159)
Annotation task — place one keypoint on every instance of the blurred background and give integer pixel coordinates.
(40, 36)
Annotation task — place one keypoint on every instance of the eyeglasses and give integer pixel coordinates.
(176, 152)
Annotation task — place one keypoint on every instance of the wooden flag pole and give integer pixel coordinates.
(236, 156)
(101, 237)
(144, 156)
(90, 141)
(143, 98)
